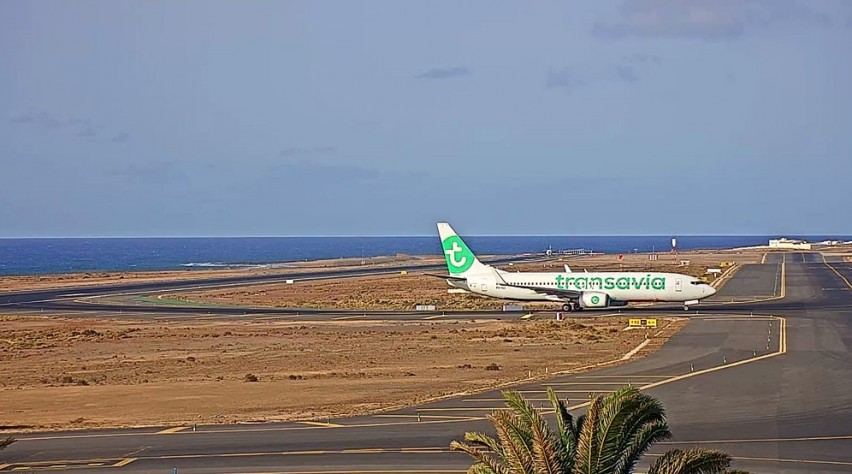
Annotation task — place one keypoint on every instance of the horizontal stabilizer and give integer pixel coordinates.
(446, 277)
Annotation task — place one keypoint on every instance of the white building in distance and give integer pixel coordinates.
(785, 243)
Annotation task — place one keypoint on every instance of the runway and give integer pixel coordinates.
(763, 372)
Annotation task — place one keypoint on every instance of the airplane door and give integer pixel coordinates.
(678, 285)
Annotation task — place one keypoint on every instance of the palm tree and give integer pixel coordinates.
(609, 439)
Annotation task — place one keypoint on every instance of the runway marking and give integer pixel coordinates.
(835, 271)
(736, 318)
(245, 430)
(343, 318)
(597, 390)
(322, 424)
(123, 462)
(379, 471)
(763, 440)
(173, 430)
(465, 408)
(724, 277)
(436, 316)
(594, 392)
(797, 461)
(581, 383)
(768, 298)
(624, 376)
(66, 464)
(442, 417)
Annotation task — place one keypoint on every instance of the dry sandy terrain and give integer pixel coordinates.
(405, 291)
(58, 373)
(33, 282)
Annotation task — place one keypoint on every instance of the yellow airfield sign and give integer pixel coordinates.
(642, 323)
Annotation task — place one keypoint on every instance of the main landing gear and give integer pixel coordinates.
(571, 306)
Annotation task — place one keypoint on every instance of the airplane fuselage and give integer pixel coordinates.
(618, 286)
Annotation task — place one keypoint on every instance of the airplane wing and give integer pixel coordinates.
(562, 293)
(446, 277)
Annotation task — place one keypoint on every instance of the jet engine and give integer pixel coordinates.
(594, 299)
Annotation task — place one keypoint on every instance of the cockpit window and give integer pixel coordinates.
(697, 282)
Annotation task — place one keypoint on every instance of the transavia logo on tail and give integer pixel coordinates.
(459, 257)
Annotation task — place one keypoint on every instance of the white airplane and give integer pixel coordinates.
(576, 290)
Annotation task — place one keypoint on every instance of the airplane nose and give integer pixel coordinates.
(710, 290)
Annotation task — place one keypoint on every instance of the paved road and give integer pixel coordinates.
(781, 409)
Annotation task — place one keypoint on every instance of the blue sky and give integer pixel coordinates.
(377, 118)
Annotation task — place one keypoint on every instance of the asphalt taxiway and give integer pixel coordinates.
(766, 380)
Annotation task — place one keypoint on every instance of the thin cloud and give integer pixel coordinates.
(167, 170)
(120, 138)
(83, 127)
(87, 132)
(627, 71)
(704, 19)
(299, 152)
(444, 73)
(39, 118)
(567, 78)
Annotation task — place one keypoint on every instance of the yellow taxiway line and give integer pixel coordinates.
(835, 271)
(321, 424)
(176, 429)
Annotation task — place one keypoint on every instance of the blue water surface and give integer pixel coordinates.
(40, 256)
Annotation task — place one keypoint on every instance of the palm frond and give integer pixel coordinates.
(515, 439)
(485, 462)
(615, 409)
(520, 405)
(585, 463)
(544, 447)
(479, 468)
(639, 443)
(643, 425)
(482, 439)
(691, 461)
(566, 435)
(546, 459)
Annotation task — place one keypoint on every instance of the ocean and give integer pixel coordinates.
(43, 256)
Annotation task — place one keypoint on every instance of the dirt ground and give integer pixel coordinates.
(405, 291)
(73, 374)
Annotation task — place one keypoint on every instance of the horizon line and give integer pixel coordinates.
(668, 235)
